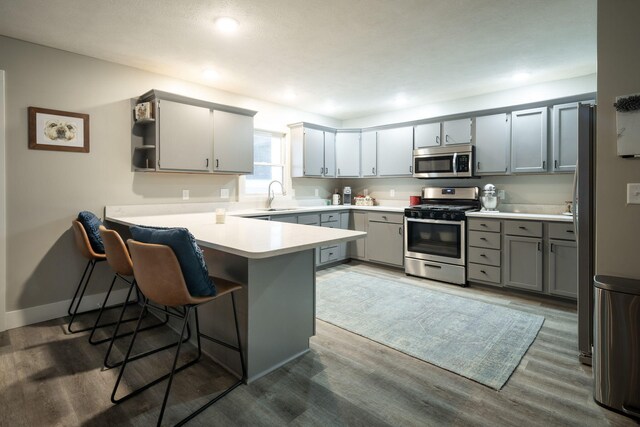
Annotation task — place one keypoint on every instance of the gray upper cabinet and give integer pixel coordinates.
(232, 142)
(312, 151)
(529, 140)
(369, 153)
(426, 135)
(456, 132)
(329, 154)
(313, 141)
(185, 137)
(348, 154)
(565, 137)
(395, 151)
(192, 135)
(493, 142)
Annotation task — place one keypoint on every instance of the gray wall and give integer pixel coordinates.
(46, 189)
(617, 225)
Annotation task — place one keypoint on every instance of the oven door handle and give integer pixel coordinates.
(432, 265)
(434, 221)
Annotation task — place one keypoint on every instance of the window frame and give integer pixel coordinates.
(286, 173)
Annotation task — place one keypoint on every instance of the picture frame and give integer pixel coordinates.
(56, 130)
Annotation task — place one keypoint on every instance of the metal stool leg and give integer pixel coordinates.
(78, 287)
(84, 288)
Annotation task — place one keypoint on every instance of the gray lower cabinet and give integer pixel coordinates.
(358, 222)
(484, 254)
(292, 219)
(385, 241)
(523, 262)
(562, 255)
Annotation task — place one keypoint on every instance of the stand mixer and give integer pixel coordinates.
(489, 198)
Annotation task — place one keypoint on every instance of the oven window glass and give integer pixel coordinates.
(434, 164)
(434, 239)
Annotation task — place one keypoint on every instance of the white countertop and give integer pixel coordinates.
(250, 238)
(521, 215)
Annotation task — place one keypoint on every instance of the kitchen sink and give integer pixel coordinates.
(277, 209)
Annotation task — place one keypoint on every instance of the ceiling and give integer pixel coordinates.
(341, 58)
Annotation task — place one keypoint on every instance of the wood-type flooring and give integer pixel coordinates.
(48, 377)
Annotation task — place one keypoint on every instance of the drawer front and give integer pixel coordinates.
(485, 256)
(332, 216)
(561, 230)
(523, 228)
(329, 253)
(395, 218)
(484, 239)
(485, 273)
(484, 225)
(311, 219)
(331, 224)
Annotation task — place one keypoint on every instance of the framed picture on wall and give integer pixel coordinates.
(58, 130)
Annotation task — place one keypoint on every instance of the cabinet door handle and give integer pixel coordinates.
(544, 164)
(483, 224)
(522, 227)
(555, 164)
(322, 171)
(478, 166)
(373, 171)
(483, 255)
(483, 272)
(207, 163)
(217, 163)
(326, 170)
(569, 231)
(400, 231)
(338, 171)
(551, 247)
(539, 248)
(438, 140)
(483, 238)
(411, 169)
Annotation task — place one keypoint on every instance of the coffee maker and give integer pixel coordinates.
(346, 196)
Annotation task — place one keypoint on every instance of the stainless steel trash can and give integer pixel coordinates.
(616, 344)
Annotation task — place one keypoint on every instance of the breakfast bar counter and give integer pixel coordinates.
(275, 264)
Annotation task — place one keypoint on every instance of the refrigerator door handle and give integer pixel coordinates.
(574, 202)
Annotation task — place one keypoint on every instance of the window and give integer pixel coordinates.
(268, 162)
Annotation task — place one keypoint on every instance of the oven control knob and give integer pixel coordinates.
(432, 215)
(444, 215)
(415, 214)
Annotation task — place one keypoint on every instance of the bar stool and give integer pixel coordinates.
(93, 257)
(119, 260)
(159, 276)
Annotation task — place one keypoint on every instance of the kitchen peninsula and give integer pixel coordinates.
(274, 262)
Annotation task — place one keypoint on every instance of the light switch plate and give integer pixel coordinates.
(392, 193)
(633, 194)
(316, 192)
(185, 194)
(501, 194)
(224, 193)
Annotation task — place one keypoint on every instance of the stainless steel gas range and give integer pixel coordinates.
(435, 233)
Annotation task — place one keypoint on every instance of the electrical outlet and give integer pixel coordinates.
(501, 194)
(633, 194)
(224, 193)
(185, 194)
(365, 192)
(316, 192)
(392, 193)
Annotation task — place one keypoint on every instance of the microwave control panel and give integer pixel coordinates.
(463, 163)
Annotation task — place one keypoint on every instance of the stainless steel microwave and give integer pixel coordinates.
(454, 161)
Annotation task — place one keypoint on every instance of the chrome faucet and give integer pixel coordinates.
(271, 195)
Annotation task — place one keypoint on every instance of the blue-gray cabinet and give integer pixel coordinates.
(395, 151)
(493, 144)
(529, 140)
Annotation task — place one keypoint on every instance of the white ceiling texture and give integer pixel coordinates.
(340, 58)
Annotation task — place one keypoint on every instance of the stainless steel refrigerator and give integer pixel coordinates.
(584, 223)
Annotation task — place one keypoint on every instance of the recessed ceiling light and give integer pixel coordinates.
(400, 99)
(520, 77)
(227, 24)
(290, 95)
(210, 74)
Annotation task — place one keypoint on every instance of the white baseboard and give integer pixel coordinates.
(41, 313)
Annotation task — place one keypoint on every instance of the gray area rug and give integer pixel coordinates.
(480, 341)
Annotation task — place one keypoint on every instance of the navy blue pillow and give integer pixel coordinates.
(189, 254)
(91, 224)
